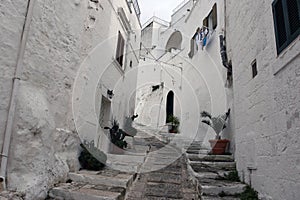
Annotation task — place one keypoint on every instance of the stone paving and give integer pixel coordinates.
(168, 180)
(154, 170)
(210, 170)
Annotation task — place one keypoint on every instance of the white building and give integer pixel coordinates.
(190, 82)
(262, 40)
(263, 44)
(47, 47)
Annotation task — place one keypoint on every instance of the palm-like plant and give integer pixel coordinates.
(216, 123)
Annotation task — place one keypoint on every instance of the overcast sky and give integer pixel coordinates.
(159, 8)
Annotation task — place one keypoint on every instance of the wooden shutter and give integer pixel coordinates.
(214, 17)
(120, 49)
(205, 22)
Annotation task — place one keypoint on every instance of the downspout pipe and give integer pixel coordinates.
(15, 90)
(223, 52)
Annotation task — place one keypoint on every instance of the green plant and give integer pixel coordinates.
(222, 194)
(117, 135)
(231, 176)
(91, 158)
(249, 194)
(216, 123)
(174, 122)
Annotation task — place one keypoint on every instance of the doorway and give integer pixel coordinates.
(170, 105)
(104, 117)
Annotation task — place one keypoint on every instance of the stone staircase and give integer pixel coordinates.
(113, 182)
(90, 185)
(210, 172)
(163, 176)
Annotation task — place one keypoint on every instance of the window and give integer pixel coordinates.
(120, 49)
(254, 69)
(286, 14)
(211, 21)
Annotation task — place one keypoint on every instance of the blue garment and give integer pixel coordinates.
(204, 41)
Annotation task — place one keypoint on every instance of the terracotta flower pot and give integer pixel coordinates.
(218, 147)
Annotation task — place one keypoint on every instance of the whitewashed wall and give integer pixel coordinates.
(267, 106)
(203, 76)
(12, 19)
(61, 38)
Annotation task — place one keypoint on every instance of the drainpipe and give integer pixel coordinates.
(225, 62)
(223, 52)
(15, 90)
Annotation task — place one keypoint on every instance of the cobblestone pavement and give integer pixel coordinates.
(163, 175)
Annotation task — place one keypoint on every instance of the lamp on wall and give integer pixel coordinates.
(110, 94)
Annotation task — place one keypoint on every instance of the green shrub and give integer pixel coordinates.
(91, 158)
(249, 194)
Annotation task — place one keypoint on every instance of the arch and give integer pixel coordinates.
(174, 41)
(170, 105)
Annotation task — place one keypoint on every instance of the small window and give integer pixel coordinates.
(120, 49)
(254, 69)
(130, 64)
(211, 21)
(286, 14)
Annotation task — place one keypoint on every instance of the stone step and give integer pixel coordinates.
(210, 158)
(195, 148)
(218, 198)
(211, 175)
(201, 151)
(212, 166)
(197, 143)
(215, 188)
(79, 191)
(163, 190)
(113, 179)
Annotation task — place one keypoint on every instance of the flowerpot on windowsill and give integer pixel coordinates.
(218, 147)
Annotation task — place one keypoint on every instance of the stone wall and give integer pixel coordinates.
(267, 106)
(62, 34)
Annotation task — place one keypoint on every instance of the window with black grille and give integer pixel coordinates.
(120, 49)
(286, 15)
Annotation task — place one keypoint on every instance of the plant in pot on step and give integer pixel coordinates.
(117, 136)
(173, 124)
(218, 124)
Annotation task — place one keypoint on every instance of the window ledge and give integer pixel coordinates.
(286, 56)
(118, 66)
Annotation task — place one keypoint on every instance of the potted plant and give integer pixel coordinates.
(218, 124)
(117, 136)
(173, 124)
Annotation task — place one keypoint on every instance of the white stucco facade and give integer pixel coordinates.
(266, 106)
(198, 82)
(67, 40)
